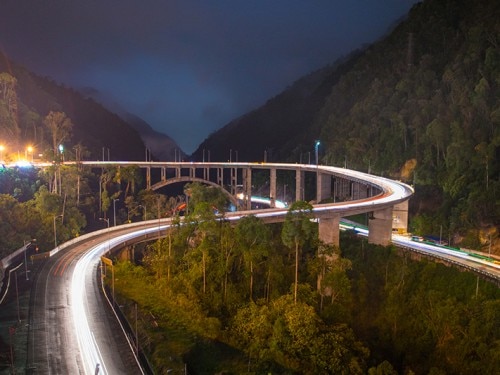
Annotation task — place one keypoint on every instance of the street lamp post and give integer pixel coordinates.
(61, 151)
(114, 211)
(55, 230)
(26, 245)
(106, 220)
(29, 150)
(316, 148)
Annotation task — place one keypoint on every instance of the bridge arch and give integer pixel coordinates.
(186, 179)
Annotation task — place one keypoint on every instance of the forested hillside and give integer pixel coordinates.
(428, 97)
(421, 105)
(255, 298)
(27, 99)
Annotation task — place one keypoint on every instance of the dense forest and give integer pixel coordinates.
(254, 298)
(429, 93)
(420, 105)
(27, 99)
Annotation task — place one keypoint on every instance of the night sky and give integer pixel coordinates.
(188, 67)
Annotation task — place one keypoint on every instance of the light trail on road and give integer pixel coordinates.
(90, 352)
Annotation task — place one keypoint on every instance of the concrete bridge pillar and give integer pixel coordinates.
(148, 178)
(234, 180)
(323, 186)
(299, 185)
(380, 227)
(220, 176)
(272, 187)
(163, 173)
(341, 189)
(355, 187)
(247, 188)
(328, 229)
(400, 216)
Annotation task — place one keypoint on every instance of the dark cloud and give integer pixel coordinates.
(188, 67)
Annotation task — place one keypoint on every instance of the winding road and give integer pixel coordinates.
(73, 329)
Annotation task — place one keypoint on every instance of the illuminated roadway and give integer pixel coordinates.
(72, 330)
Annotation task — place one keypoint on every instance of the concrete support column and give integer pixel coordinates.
(380, 227)
(355, 190)
(272, 187)
(247, 188)
(220, 176)
(234, 180)
(163, 173)
(339, 192)
(206, 174)
(400, 217)
(299, 185)
(177, 172)
(192, 172)
(346, 189)
(323, 186)
(148, 178)
(328, 229)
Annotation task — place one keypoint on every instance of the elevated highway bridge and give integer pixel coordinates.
(348, 192)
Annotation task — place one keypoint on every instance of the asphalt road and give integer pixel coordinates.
(53, 345)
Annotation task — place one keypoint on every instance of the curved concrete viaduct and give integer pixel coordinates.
(348, 192)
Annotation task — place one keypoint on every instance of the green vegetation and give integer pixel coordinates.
(37, 113)
(419, 105)
(422, 316)
(244, 299)
(28, 210)
(431, 115)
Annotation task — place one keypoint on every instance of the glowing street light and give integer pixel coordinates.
(29, 150)
(61, 150)
(2, 148)
(316, 147)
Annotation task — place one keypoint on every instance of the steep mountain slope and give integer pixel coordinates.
(421, 105)
(30, 98)
(282, 128)
(160, 146)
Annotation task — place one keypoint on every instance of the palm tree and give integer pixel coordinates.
(297, 229)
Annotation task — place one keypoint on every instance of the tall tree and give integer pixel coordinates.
(253, 237)
(59, 126)
(8, 106)
(297, 229)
